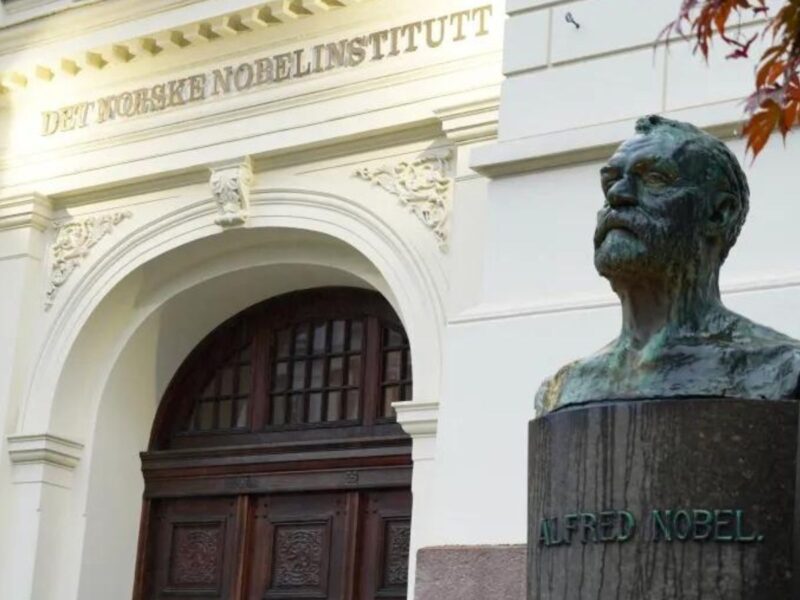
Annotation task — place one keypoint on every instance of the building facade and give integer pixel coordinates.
(185, 185)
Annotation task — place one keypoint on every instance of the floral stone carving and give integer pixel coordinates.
(422, 185)
(230, 185)
(74, 240)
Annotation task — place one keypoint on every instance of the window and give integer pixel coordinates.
(308, 361)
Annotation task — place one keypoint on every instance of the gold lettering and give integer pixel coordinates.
(318, 67)
(197, 87)
(410, 31)
(283, 66)
(243, 77)
(105, 109)
(222, 81)
(429, 38)
(49, 122)
(301, 68)
(66, 118)
(141, 101)
(356, 51)
(176, 97)
(125, 104)
(394, 40)
(459, 18)
(482, 13)
(336, 54)
(265, 72)
(376, 40)
(83, 113)
(297, 63)
(159, 96)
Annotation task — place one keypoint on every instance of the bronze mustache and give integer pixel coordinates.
(631, 220)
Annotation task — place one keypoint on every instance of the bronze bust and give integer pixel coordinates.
(676, 200)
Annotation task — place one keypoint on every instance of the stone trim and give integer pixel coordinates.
(156, 44)
(44, 448)
(43, 458)
(26, 210)
(420, 420)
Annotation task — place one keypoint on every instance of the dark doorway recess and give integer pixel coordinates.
(276, 468)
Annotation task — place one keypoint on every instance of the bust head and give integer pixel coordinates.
(676, 200)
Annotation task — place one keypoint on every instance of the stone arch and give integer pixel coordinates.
(116, 316)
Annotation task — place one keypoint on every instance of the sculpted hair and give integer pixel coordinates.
(723, 161)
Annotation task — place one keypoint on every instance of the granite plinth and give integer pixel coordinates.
(679, 499)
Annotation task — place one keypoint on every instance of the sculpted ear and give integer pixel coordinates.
(724, 213)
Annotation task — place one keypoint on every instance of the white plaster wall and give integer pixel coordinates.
(569, 97)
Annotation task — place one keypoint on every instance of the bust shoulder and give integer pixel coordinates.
(738, 359)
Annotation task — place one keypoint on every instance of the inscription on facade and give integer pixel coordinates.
(295, 64)
(619, 526)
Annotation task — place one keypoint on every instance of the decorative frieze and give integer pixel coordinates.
(423, 185)
(74, 240)
(230, 185)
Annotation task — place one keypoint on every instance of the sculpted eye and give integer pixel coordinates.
(655, 178)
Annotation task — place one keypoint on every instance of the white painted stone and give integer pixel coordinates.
(606, 27)
(581, 94)
(527, 39)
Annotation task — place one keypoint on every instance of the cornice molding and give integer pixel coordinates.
(564, 148)
(26, 210)
(418, 419)
(259, 107)
(471, 122)
(44, 449)
(249, 16)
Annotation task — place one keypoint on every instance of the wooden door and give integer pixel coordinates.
(317, 546)
(385, 532)
(195, 549)
(302, 547)
(277, 469)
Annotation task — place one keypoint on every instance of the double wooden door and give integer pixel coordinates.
(339, 545)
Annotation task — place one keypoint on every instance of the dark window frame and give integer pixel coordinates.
(258, 326)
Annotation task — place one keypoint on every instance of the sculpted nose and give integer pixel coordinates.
(621, 194)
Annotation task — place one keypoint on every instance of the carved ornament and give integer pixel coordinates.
(423, 185)
(230, 185)
(74, 240)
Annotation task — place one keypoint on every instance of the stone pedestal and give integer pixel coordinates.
(689, 499)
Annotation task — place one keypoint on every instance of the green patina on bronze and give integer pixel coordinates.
(676, 200)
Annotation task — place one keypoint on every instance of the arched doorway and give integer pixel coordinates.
(276, 468)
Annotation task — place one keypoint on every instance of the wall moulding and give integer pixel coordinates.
(26, 210)
(423, 184)
(73, 242)
(571, 147)
(44, 458)
(248, 16)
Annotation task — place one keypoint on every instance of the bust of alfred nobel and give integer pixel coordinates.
(676, 200)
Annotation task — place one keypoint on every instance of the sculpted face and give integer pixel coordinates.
(655, 208)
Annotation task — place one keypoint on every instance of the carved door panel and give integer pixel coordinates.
(302, 547)
(195, 548)
(384, 544)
